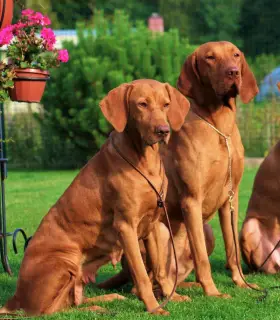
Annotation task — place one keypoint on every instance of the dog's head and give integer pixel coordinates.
(218, 69)
(147, 105)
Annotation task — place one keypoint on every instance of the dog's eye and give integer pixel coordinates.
(236, 55)
(166, 105)
(210, 57)
(143, 104)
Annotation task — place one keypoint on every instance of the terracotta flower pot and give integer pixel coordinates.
(6, 12)
(29, 85)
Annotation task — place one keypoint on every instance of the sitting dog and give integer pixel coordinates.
(107, 208)
(261, 228)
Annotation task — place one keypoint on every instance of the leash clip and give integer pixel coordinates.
(160, 203)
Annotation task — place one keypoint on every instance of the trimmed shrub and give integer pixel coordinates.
(101, 60)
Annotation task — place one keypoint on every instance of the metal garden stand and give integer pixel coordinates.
(6, 8)
(3, 226)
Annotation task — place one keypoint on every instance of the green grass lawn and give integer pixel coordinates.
(30, 195)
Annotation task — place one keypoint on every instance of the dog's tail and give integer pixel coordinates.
(116, 281)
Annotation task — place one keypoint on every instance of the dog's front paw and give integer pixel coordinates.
(161, 312)
(220, 295)
(178, 298)
(247, 285)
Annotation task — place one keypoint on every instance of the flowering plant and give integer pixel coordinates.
(30, 44)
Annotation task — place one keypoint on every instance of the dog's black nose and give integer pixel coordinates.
(162, 130)
(232, 72)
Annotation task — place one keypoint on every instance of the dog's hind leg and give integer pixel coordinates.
(64, 298)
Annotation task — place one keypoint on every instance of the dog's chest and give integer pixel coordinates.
(224, 173)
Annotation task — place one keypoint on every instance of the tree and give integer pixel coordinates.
(203, 20)
(100, 61)
(177, 14)
(260, 26)
(137, 10)
(218, 20)
(65, 14)
(69, 12)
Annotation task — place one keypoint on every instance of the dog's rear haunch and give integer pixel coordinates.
(107, 208)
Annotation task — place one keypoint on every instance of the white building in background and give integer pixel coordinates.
(65, 35)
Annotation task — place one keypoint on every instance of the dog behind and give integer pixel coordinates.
(261, 228)
(197, 160)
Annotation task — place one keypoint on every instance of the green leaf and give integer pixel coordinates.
(24, 65)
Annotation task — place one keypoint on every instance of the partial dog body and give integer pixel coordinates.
(197, 159)
(107, 208)
(261, 227)
(183, 252)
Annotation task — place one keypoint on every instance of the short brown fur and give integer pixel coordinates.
(197, 161)
(107, 208)
(261, 227)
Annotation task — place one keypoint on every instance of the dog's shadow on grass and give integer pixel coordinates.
(103, 275)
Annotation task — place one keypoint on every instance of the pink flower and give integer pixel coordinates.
(38, 18)
(27, 12)
(63, 55)
(6, 35)
(46, 21)
(48, 35)
(19, 25)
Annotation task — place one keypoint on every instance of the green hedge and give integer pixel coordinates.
(72, 128)
(100, 61)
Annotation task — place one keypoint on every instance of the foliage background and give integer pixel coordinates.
(116, 46)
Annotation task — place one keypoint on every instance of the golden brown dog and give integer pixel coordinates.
(183, 252)
(108, 207)
(261, 227)
(197, 161)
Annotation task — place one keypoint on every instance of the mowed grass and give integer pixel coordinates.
(30, 195)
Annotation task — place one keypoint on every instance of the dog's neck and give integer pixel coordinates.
(131, 144)
(221, 115)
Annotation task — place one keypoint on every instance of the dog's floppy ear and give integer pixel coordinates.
(189, 82)
(115, 106)
(178, 109)
(249, 88)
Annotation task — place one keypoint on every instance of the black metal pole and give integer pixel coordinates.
(3, 225)
(3, 175)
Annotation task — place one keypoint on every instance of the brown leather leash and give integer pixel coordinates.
(230, 199)
(160, 204)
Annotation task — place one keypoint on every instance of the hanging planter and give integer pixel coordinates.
(29, 85)
(6, 12)
(31, 53)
